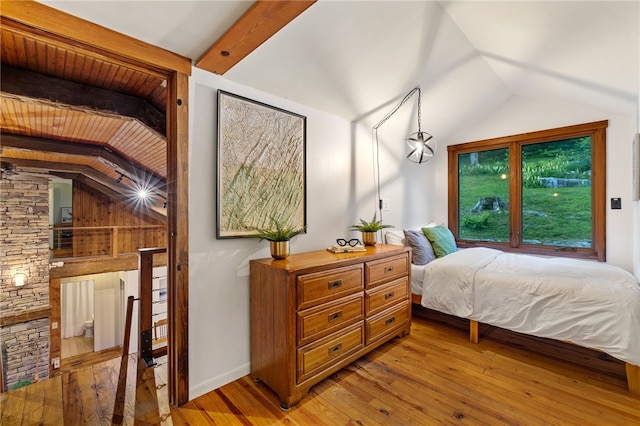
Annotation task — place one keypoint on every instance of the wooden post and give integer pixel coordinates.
(114, 241)
(118, 407)
(145, 268)
(473, 331)
(633, 379)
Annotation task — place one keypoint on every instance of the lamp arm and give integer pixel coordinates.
(376, 159)
(402, 102)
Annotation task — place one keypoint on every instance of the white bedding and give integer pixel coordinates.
(589, 303)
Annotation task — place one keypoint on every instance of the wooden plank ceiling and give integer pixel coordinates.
(66, 111)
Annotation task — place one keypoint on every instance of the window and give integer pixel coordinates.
(541, 192)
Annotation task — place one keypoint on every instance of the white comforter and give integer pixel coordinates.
(589, 303)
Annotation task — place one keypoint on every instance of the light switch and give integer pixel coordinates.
(616, 203)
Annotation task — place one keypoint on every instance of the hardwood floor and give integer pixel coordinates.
(72, 346)
(88, 359)
(106, 393)
(433, 376)
(436, 376)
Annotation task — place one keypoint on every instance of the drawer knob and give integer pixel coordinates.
(388, 269)
(390, 321)
(389, 295)
(334, 284)
(335, 316)
(335, 349)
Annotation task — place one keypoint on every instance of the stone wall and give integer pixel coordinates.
(25, 351)
(24, 247)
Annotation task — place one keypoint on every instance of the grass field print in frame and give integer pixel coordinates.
(261, 167)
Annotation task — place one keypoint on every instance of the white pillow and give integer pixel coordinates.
(396, 236)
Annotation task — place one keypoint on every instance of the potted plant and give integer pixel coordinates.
(278, 238)
(369, 229)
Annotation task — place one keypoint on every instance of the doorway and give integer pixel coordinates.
(82, 38)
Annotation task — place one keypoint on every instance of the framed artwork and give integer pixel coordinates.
(66, 215)
(261, 167)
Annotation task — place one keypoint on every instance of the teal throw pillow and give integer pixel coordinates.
(441, 240)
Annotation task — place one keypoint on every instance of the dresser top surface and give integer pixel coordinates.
(311, 259)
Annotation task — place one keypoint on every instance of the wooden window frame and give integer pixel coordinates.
(597, 131)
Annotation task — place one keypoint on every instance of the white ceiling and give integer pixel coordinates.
(358, 58)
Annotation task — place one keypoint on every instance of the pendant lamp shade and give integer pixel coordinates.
(420, 147)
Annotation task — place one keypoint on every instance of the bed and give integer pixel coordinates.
(587, 303)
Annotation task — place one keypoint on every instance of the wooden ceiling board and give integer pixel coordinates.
(135, 141)
(134, 146)
(25, 51)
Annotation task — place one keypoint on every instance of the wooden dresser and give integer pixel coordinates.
(314, 313)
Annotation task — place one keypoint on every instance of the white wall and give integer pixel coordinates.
(62, 197)
(340, 189)
(219, 269)
(636, 222)
(520, 115)
(106, 327)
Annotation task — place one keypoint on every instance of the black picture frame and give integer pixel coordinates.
(261, 167)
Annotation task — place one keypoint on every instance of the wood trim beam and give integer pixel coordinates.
(77, 267)
(30, 315)
(257, 25)
(81, 149)
(39, 86)
(55, 339)
(178, 237)
(55, 24)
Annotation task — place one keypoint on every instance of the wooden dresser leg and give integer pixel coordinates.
(473, 331)
(633, 379)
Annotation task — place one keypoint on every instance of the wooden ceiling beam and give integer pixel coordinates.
(21, 82)
(61, 26)
(257, 25)
(132, 170)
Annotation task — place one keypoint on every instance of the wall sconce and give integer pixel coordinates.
(20, 279)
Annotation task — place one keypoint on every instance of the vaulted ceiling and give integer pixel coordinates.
(354, 59)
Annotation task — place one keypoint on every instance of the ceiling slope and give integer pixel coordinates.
(356, 59)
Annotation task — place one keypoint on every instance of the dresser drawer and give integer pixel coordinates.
(320, 355)
(320, 287)
(381, 271)
(327, 318)
(386, 322)
(384, 296)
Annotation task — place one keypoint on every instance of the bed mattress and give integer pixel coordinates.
(589, 303)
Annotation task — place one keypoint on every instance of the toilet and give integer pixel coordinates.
(88, 328)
